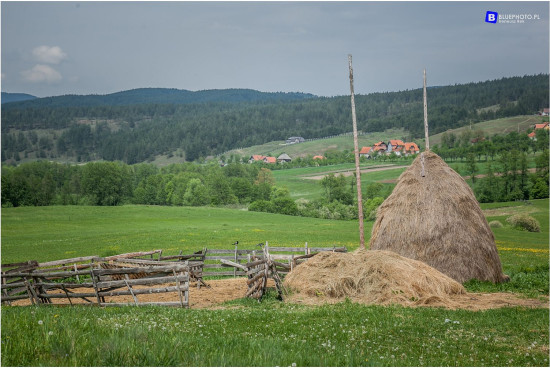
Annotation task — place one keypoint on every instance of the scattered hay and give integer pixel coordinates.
(495, 224)
(524, 222)
(373, 277)
(436, 219)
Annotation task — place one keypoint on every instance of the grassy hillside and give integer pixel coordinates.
(492, 127)
(319, 146)
(48, 233)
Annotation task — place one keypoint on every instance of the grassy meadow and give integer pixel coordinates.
(319, 146)
(271, 333)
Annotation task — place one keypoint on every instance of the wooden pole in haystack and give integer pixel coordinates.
(426, 115)
(357, 169)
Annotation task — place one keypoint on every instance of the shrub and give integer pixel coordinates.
(261, 206)
(524, 222)
(495, 224)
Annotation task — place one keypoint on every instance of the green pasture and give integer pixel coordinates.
(492, 127)
(300, 186)
(320, 146)
(57, 232)
(271, 333)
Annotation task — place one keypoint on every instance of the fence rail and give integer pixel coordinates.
(92, 279)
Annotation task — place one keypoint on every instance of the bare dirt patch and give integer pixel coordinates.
(218, 292)
(221, 291)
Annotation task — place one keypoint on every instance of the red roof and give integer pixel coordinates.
(365, 150)
(531, 135)
(411, 146)
(318, 157)
(258, 157)
(270, 160)
(396, 142)
(541, 126)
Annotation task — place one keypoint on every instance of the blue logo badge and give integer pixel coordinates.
(491, 17)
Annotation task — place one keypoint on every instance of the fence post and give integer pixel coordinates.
(236, 259)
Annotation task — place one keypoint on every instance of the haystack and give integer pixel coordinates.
(372, 277)
(436, 219)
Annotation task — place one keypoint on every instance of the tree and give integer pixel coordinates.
(265, 176)
(471, 166)
(105, 183)
(196, 194)
(282, 203)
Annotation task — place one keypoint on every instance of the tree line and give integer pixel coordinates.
(137, 133)
(42, 183)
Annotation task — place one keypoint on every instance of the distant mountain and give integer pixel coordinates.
(16, 97)
(158, 96)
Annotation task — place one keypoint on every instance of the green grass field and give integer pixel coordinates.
(492, 127)
(318, 147)
(271, 333)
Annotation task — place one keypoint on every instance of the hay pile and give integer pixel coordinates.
(372, 277)
(436, 219)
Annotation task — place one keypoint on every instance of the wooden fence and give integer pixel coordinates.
(95, 279)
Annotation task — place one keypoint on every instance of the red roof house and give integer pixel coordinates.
(411, 148)
(365, 152)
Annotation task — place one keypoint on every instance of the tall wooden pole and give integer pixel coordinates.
(357, 169)
(426, 115)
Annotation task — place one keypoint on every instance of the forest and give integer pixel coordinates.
(506, 177)
(86, 128)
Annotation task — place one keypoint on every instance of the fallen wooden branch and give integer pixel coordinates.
(233, 264)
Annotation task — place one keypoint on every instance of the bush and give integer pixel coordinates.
(524, 222)
(495, 224)
(261, 206)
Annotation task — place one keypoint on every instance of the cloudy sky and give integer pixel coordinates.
(56, 48)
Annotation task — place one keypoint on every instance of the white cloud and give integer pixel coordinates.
(50, 55)
(41, 73)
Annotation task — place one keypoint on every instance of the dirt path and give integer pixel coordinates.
(350, 172)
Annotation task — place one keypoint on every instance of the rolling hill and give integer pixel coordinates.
(134, 126)
(16, 97)
(156, 96)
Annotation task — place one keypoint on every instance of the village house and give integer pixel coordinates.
(379, 147)
(395, 145)
(293, 140)
(533, 134)
(319, 157)
(545, 111)
(366, 152)
(284, 158)
(255, 158)
(270, 160)
(411, 148)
